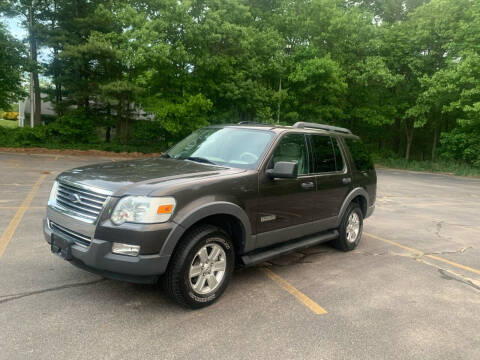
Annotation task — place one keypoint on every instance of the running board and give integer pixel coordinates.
(285, 248)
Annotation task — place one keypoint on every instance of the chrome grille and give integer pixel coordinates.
(78, 238)
(80, 201)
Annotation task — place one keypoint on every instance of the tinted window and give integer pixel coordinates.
(338, 155)
(360, 155)
(292, 148)
(326, 154)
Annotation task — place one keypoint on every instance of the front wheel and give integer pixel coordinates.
(350, 229)
(200, 268)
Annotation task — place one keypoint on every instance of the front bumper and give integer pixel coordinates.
(97, 257)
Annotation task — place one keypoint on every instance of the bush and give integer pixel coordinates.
(148, 133)
(10, 115)
(74, 127)
(461, 144)
(22, 136)
(77, 130)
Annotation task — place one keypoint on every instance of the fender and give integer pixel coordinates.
(351, 195)
(199, 213)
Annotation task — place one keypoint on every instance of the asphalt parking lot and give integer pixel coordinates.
(410, 290)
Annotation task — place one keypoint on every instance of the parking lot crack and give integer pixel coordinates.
(11, 297)
(459, 251)
(449, 275)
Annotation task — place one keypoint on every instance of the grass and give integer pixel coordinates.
(9, 123)
(449, 167)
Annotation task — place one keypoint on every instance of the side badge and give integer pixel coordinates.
(267, 218)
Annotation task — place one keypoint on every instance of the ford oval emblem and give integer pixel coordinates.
(75, 198)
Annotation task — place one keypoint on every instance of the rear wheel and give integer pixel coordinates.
(200, 268)
(350, 230)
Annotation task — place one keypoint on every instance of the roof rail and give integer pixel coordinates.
(249, 122)
(303, 125)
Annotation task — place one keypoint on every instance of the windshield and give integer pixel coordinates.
(234, 147)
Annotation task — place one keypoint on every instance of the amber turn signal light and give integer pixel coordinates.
(164, 209)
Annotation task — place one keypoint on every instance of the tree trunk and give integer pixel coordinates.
(120, 124)
(409, 139)
(435, 139)
(37, 111)
(397, 129)
(56, 72)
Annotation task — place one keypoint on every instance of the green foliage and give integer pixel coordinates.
(8, 123)
(442, 166)
(74, 127)
(11, 62)
(51, 136)
(462, 144)
(180, 119)
(398, 73)
(149, 134)
(320, 87)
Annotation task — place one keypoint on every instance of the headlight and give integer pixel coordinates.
(53, 193)
(143, 209)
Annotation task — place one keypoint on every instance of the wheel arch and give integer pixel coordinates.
(358, 195)
(228, 216)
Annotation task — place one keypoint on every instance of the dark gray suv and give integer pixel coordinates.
(225, 196)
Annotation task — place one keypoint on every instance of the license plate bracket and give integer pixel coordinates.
(61, 246)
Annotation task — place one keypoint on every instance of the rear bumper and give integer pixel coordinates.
(98, 258)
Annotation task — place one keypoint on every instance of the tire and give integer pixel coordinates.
(345, 240)
(189, 256)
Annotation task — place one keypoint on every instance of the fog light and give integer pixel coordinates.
(125, 249)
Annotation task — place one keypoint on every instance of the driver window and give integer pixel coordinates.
(292, 148)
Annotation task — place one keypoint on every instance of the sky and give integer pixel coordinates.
(14, 26)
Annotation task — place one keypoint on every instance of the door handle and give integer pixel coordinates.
(307, 185)
(346, 180)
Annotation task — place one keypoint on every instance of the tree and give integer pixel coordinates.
(11, 65)
(29, 10)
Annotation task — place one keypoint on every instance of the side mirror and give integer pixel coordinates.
(283, 170)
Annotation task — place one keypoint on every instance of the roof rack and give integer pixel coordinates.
(249, 122)
(303, 125)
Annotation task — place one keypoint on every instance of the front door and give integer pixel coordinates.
(286, 202)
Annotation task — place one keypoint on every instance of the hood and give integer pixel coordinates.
(141, 176)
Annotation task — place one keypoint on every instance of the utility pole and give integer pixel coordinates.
(32, 102)
(288, 47)
(32, 95)
(35, 96)
(279, 99)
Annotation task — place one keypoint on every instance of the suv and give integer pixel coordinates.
(224, 196)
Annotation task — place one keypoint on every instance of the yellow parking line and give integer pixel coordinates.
(12, 226)
(304, 299)
(17, 207)
(415, 251)
(420, 253)
(460, 266)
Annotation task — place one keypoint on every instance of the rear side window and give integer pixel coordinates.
(326, 154)
(360, 155)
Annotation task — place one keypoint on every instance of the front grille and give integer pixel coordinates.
(78, 238)
(82, 202)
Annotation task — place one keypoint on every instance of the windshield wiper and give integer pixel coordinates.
(198, 159)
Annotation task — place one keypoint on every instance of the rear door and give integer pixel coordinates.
(332, 177)
(364, 175)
